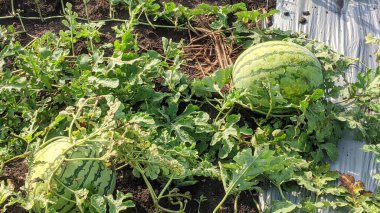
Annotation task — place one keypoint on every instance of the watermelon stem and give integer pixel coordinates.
(265, 113)
(236, 203)
(281, 192)
(153, 195)
(211, 104)
(268, 86)
(65, 198)
(74, 119)
(225, 106)
(64, 185)
(147, 19)
(45, 143)
(165, 188)
(229, 111)
(52, 174)
(220, 112)
(189, 26)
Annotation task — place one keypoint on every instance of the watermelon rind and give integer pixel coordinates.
(277, 75)
(68, 176)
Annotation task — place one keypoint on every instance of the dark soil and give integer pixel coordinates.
(97, 9)
(211, 190)
(202, 58)
(29, 8)
(199, 51)
(15, 171)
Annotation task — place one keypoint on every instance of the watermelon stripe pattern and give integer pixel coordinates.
(276, 74)
(263, 57)
(77, 174)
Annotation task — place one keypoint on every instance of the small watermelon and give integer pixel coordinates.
(276, 74)
(67, 176)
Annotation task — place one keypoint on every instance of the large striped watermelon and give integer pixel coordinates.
(277, 74)
(49, 164)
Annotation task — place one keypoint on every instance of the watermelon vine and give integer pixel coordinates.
(121, 109)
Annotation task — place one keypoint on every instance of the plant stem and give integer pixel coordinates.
(220, 112)
(32, 17)
(316, 200)
(281, 192)
(236, 203)
(105, 20)
(72, 37)
(229, 111)
(147, 19)
(122, 166)
(221, 202)
(150, 188)
(25, 154)
(153, 194)
(37, 2)
(110, 11)
(72, 124)
(226, 189)
(270, 100)
(258, 207)
(13, 8)
(86, 10)
(265, 113)
(22, 23)
(63, 6)
(88, 21)
(165, 188)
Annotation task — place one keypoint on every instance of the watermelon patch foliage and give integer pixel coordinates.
(80, 119)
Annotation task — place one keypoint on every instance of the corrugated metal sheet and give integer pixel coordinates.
(343, 25)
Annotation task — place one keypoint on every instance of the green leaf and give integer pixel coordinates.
(212, 84)
(171, 49)
(317, 94)
(121, 202)
(45, 52)
(80, 198)
(248, 167)
(5, 192)
(310, 206)
(98, 204)
(226, 139)
(283, 206)
(330, 149)
(306, 180)
(106, 82)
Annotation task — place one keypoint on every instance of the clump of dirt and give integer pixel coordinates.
(80, 47)
(35, 28)
(16, 209)
(29, 8)
(15, 172)
(205, 195)
(97, 9)
(212, 192)
(151, 39)
(127, 183)
(267, 4)
(38, 28)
